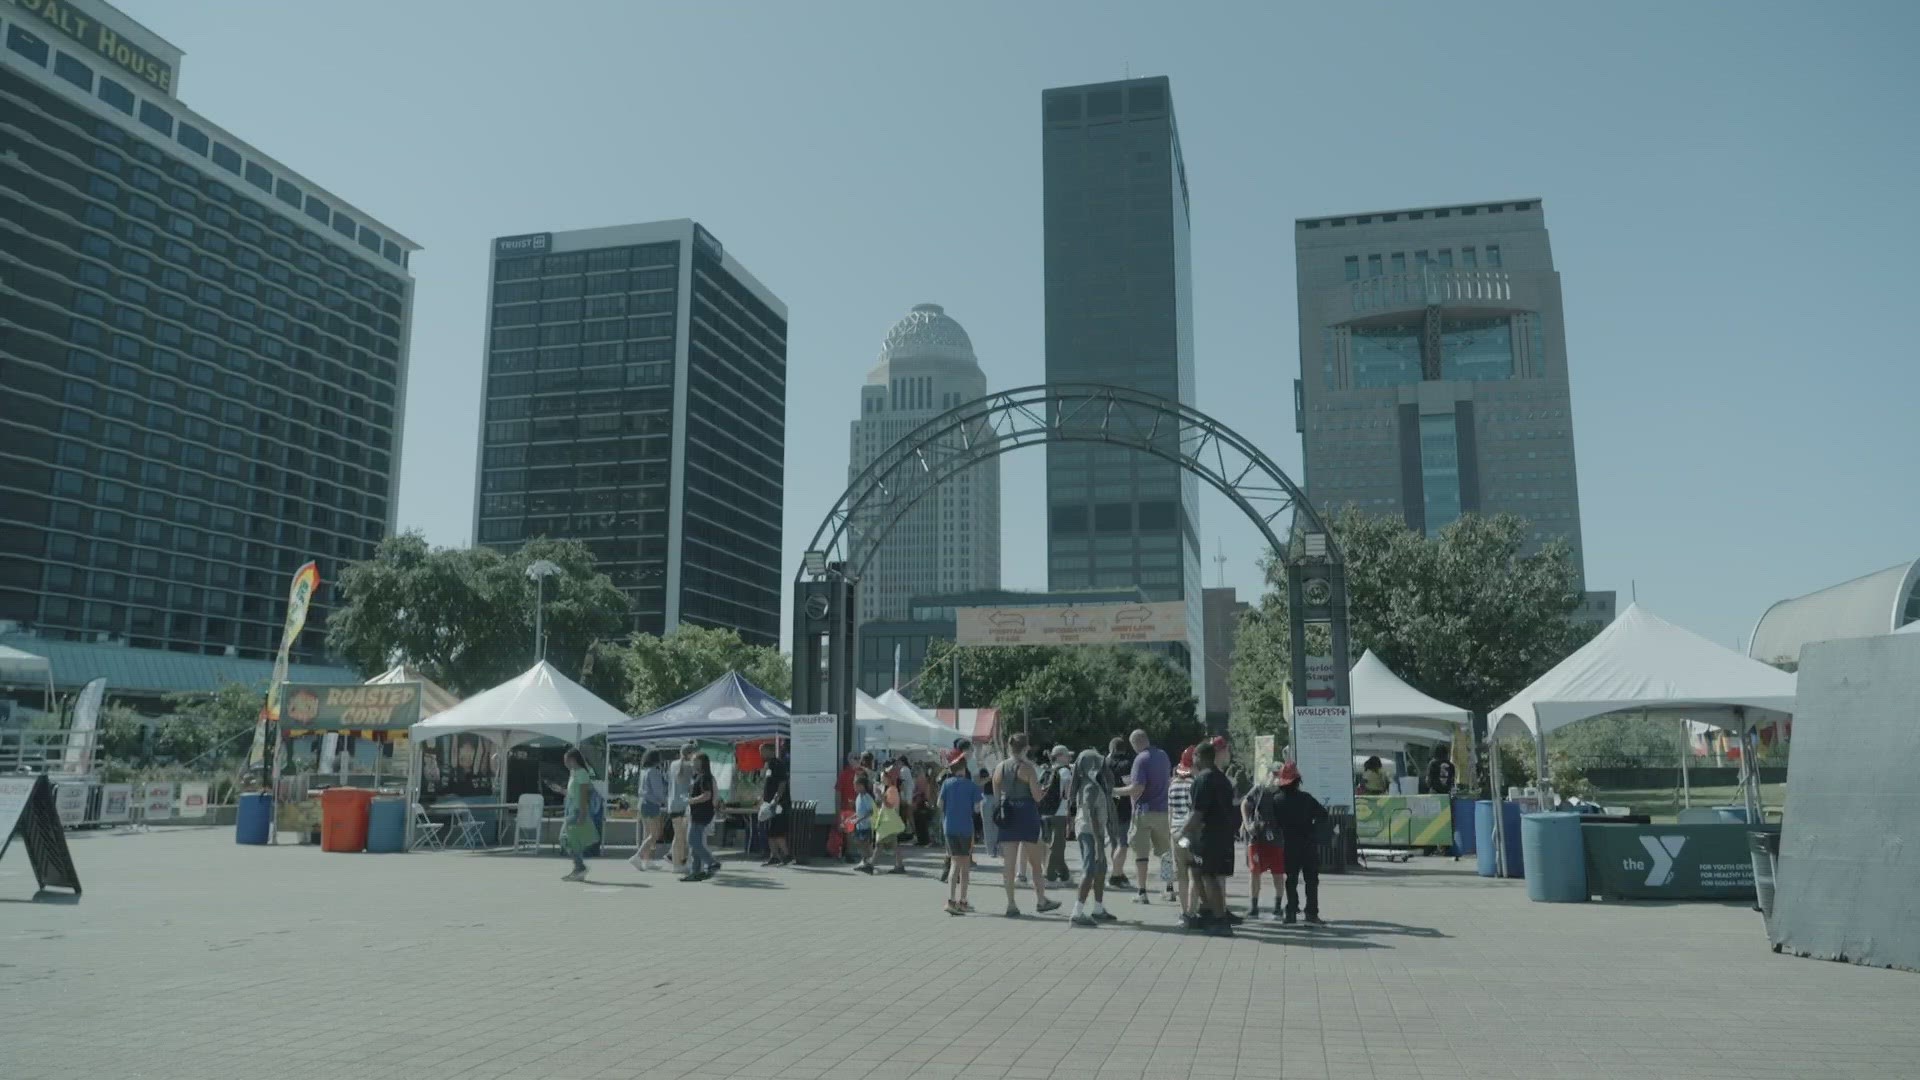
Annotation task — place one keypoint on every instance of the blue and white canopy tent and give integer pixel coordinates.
(729, 709)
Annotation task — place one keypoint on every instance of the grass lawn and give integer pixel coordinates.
(1663, 803)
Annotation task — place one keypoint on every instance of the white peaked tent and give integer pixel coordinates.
(542, 703)
(896, 723)
(1389, 714)
(1642, 663)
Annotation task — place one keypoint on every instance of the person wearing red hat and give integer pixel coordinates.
(1299, 816)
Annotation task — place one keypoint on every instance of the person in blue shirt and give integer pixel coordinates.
(960, 797)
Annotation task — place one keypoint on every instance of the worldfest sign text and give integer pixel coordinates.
(1086, 624)
(381, 707)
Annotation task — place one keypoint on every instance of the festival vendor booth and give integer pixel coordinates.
(1388, 716)
(521, 729)
(1641, 664)
(736, 723)
(343, 739)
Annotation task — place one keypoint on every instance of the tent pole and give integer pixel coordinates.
(1686, 751)
(1541, 778)
(1499, 804)
(413, 785)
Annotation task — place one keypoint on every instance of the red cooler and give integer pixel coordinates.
(343, 818)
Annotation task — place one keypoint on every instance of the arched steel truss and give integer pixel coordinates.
(978, 430)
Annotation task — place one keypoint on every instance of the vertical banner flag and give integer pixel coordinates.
(85, 730)
(305, 581)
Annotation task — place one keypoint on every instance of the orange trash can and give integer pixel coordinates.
(343, 818)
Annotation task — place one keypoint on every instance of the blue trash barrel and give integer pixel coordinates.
(254, 818)
(1555, 857)
(387, 825)
(1483, 838)
(1463, 827)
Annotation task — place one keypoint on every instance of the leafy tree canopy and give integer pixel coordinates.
(1079, 696)
(654, 671)
(464, 616)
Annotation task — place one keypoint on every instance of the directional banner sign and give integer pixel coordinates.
(1072, 624)
(27, 812)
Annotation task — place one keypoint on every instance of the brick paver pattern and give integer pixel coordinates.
(192, 957)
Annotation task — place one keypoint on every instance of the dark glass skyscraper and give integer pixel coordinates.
(635, 400)
(203, 355)
(1120, 312)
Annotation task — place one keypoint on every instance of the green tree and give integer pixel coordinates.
(208, 728)
(1079, 696)
(986, 671)
(464, 616)
(657, 671)
(1466, 616)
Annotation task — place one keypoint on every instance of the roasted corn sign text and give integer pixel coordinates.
(102, 40)
(381, 707)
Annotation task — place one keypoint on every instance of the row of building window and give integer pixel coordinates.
(599, 260)
(156, 117)
(1417, 215)
(1396, 262)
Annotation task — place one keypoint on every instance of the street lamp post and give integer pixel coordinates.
(540, 571)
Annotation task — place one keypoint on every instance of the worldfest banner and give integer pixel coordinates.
(305, 581)
(1403, 820)
(381, 707)
(1083, 624)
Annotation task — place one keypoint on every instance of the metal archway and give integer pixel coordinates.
(982, 429)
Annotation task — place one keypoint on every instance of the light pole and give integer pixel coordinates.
(540, 571)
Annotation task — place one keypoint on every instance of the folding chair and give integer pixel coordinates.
(426, 831)
(467, 831)
(527, 816)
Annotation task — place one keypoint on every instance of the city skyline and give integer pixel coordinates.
(1654, 212)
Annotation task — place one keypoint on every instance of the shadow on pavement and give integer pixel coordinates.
(737, 880)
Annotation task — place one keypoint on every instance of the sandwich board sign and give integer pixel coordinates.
(27, 813)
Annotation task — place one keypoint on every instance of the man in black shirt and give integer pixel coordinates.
(1440, 773)
(1211, 833)
(1299, 817)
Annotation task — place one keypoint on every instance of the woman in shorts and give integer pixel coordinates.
(1016, 780)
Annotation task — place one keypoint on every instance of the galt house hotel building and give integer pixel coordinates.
(203, 355)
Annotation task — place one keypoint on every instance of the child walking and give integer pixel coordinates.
(863, 822)
(960, 798)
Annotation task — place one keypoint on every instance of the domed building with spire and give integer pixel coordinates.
(950, 541)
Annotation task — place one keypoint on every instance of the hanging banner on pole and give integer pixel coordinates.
(1072, 624)
(85, 731)
(299, 596)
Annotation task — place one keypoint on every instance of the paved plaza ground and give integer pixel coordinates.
(192, 957)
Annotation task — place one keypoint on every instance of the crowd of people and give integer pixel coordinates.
(1133, 800)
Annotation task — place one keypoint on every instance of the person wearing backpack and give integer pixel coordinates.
(1266, 845)
(1056, 798)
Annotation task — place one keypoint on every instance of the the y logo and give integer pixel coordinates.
(1663, 849)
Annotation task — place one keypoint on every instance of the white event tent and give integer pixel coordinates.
(542, 703)
(1641, 663)
(1388, 714)
(892, 721)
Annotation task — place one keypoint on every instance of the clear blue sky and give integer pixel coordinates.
(1731, 190)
